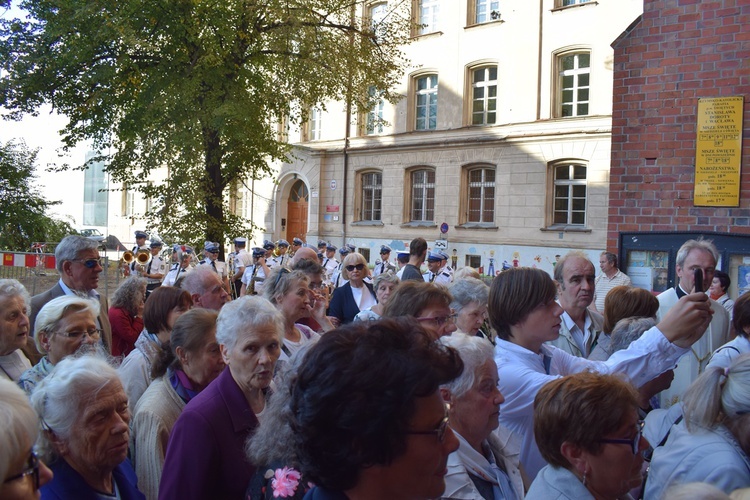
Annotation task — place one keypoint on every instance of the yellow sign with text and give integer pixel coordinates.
(718, 154)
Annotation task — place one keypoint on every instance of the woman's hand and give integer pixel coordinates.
(686, 321)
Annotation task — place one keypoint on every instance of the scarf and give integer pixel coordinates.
(486, 469)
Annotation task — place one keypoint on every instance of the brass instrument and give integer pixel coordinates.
(142, 258)
(127, 258)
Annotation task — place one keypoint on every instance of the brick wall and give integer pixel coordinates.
(679, 51)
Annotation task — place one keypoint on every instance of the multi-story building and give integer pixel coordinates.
(503, 135)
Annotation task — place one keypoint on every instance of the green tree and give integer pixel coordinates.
(23, 218)
(194, 86)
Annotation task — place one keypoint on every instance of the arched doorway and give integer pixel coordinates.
(296, 211)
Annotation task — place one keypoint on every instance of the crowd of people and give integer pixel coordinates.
(289, 374)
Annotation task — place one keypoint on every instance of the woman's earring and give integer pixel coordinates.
(584, 477)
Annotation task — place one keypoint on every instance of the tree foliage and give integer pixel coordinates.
(23, 218)
(192, 85)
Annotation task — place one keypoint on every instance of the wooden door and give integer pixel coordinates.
(296, 225)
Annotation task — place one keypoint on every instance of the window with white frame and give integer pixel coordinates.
(426, 89)
(129, 202)
(569, 200)
(314, 123)
(372, 196)
(374, 117)
(486, 11)
(565, 3)
(481, 195)
(428, 13)
(484, 96)
(423, 195)
(574, 84)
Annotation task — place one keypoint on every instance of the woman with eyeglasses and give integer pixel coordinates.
(355, 295)
(428, 303)
(384, 285)
(587, 429)
(290, 292)
(486, 464)
(14, 329)
(126, 314)
(162, 309)
(84, 414)
(712, 442)
(377, 432)
(64, 326)
(21, 472)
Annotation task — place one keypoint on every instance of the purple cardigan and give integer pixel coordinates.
(205, 455)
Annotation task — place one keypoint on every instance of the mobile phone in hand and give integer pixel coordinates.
(698, 280)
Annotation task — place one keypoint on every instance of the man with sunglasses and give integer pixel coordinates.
(78, 262)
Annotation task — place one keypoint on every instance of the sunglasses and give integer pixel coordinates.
(358, 267)
(439, 431)
(32, 469)
(632, 442)
(90, 263)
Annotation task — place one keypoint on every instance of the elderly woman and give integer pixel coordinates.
(14, 329)
(355, 295)
(470, 305)
(741, 344)
(486, 463)
(85, 416)
(427, 303)
(21, 472)
(712, 443)
(65, 326)
(525, 315)
(587, 429)
(290, 292)
(367, 414)
(162, 309)
(188, 363)
(205, 456)
(718, 291)
(384, 285)
(622, 302)
(126, 315)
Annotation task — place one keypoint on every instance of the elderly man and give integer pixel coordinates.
(607, 280)
(438, 270)
(304, 253)
(384, 264)
(211, 259)
(205, 288)
(580, 327)
(694, 254)
(78, 262)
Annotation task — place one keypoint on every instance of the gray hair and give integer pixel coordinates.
(70, 248)
(19, 425)
(196, 282)
(280, 281)
(246, 313)
(62, 395)
(10, 288)
(468, 290)
(388, 277)
(691, 491)
(700, 243)
(474, 352)
(466, 272)
(560, 266)
(130, 294)
(718, 391)
(628, 330)
(51, 314)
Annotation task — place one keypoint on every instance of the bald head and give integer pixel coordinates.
(304, 253)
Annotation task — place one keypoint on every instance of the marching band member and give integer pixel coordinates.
(269, 246)
(337, 279)
(384, 264)
(296, 244)
(283, 259)
(255, 275)
(242, 259)
(439, 272)
(155, 269)
(179, 268)
(210, 258)
(402, 258)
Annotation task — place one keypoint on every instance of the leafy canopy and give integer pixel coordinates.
(194, 85)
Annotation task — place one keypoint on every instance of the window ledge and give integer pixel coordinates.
(566, 7)
(565, 229)
(486, 23)
(478, 225)
(427, 35)
(368, 223)
(419, 223)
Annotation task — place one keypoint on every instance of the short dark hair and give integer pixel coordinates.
(514, 294)
(580, 409)
(410, 297)
(741, 314)
(611, 258)
(403, 258)
(347, 418)
(724, 279)
(160, 302)
(418, 246)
